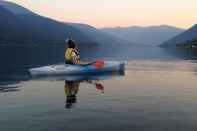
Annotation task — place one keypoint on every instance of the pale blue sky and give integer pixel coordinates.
(102, 13)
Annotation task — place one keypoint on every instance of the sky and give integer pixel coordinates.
(112, 13)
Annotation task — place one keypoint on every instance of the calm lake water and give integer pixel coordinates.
(158, 92)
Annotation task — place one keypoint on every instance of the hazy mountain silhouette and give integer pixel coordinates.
(98, 35)
(183, 37)
(54, 31)
(47, 30)
(13, 28)
(14, 8)
(152, 35)
(30, 28)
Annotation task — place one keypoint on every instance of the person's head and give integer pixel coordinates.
(71, 44)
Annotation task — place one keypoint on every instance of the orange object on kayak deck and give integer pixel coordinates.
(99, 64)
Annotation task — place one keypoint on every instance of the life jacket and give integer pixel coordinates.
(68, 56)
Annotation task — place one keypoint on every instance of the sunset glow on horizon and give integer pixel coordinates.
(111, 13)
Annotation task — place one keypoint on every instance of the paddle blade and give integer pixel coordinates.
(99, 64)
(99, 87)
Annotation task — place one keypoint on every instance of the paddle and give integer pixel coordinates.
(98, 64)
(97, 85)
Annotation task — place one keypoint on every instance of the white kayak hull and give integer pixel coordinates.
(65, 69)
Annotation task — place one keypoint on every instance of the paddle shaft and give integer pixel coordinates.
(87, 64)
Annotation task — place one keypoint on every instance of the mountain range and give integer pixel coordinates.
(23, 26)
(11, 25)
(27, 27)
(15, 8)
(183, 38)
(98, 35)
(151, 35)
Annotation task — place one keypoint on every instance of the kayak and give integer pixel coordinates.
(66, 69)
(81, 78)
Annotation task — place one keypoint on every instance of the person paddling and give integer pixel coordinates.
(71, 54)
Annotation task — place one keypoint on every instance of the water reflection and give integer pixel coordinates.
(71, 89)
(10, 87)
(72, 84)
(180, 53)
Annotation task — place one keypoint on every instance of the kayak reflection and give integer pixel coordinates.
(10, 87)
(71, 89)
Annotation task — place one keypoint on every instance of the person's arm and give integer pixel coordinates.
(75, 58)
